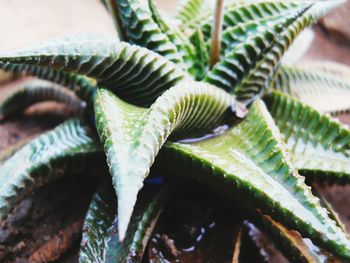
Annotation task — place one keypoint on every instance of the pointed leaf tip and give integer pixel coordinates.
(132, 136)
(126, 203)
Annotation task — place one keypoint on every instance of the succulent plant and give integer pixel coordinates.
(247, 126)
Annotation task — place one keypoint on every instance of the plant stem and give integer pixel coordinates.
(216, 33)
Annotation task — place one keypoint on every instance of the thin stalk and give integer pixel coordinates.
(216, 33)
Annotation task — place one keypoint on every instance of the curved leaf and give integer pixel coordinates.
(135, 74)
(181, 41)
(247, 69)
(71, 147)
(320, 88)
(100, 242)
(200, 59)
(140, 28)
(37, 91)
(299, 48)
(190, 10)
(237, 12)
(249, 162)
(320, 145)
(132, 136)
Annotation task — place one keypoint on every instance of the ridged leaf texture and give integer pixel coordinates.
(132, 136)
(178, 38)
(200, 58)
(250, 163)
(191, 10)
(69, 148)
(248, 68)
(135, 74)
(36, 91)
(319, 145)
(100, 241)
(139, 27)
(241, 12)
(323, 88)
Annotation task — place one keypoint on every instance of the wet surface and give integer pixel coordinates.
(189, 231)
(195, 227)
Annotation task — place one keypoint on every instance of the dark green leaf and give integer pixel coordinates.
(319, 145)
(132, 136)
(237, 12)
(100, 242)
(248, 68)
(250, 163)
(36, 91)
(200, 59)
(140, 28)
(69, 148)
(135, 74)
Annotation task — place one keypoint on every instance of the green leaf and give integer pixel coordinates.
(190, 10)
(100, 242)
(200, 59)
(183, 46)
(234, 36)
(238, 12)
(69, 148)
(247, 70)
(249, 163)
(323, 88)
(140, 28)
(132, 136)
(135, 74)
(319, 145)
(36, 91)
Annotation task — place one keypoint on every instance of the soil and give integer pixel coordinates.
(56, 211)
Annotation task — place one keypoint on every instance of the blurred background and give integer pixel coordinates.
(24, 22)
(40, 216)
(31, 21)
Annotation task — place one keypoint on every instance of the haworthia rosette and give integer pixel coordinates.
(132, 136)
(250, 162)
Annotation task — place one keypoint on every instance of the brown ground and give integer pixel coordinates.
(62, 206)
